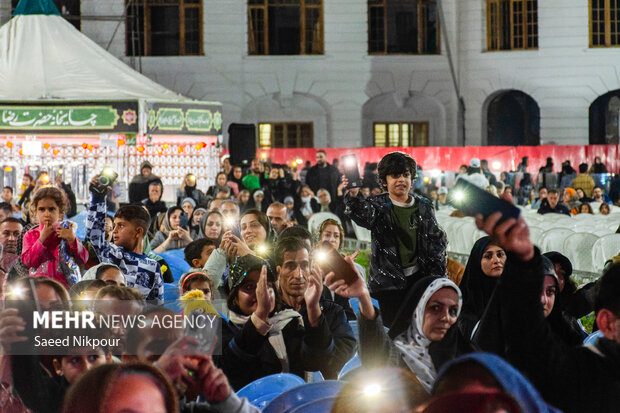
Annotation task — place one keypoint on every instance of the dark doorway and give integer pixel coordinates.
(604, 123)
(513, 119)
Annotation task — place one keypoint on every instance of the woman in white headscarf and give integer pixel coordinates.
(421, 341)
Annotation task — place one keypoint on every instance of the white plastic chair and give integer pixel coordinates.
(317, 219)
(553, 239)
(464, 237)
(453, 229)
(603, 249)
(578, 248)
(361, 233)
(535, 234)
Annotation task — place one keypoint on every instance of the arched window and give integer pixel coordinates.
(403, 27)
(604, 119)
(512, 24)
(513, 118)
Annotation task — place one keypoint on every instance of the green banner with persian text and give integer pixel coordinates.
(69, 117)
(184, 119)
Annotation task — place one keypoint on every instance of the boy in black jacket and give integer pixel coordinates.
(407, 243)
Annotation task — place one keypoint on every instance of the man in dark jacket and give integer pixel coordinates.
(553, 204)
(578, 379)
(328, 334)
(323, 175)
(407, 243)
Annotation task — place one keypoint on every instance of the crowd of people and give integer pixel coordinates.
(500, 334)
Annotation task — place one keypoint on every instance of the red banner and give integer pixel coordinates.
(501, 158)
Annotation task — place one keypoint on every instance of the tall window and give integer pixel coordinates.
(69, 9)
(285, 27)
(164, 27)
(512, 24)
(403, 26)
(285, 135)
(604, 23)
(401, 134)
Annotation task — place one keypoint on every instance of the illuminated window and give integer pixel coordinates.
(512, 24)
(285, 135)
(285, 27)
(164, 27)
(403, 27)
(604, 23)
(401, 134)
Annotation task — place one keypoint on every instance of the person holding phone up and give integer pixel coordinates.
(406, 241)
(175, 234)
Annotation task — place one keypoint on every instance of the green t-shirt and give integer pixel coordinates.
(251, 182)
(406, 233)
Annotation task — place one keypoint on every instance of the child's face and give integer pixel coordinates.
(399, 184)
(125, 234)
(202, 286)
(47, 212)
(204, 256)
(73, 367)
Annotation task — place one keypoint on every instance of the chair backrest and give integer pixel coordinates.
(553, 239)
(535, 234)
(578, 248)
(603, 249)
(323, 405)
(258, 391)
(352, 364)
(361, 233)
(591, 339)
(303, 394)
(317, 219)
(463, 238)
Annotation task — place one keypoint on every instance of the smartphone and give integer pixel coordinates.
(351, 170)
(330, 260)
(25, 300)
(472, 200)
(183, 221)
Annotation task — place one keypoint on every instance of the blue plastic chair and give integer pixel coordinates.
(80, 220)
(316, 376)
(323, 405)
(591, 339)
(262, 391)
(355, 304)
(297, 397)
(350, 369)
(176, 261)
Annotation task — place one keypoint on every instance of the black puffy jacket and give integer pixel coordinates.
(386, 272)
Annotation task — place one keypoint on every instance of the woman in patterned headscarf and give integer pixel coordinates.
(412, 341)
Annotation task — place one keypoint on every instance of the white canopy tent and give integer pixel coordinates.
(44, 57)
(61, 91)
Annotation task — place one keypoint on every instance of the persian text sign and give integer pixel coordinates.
(60, 117)
(184, 118)
(68, 118)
